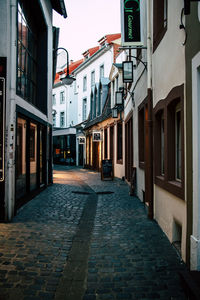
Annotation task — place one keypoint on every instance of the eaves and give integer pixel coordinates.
(91, 59)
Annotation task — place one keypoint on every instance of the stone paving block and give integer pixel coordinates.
(62, 245)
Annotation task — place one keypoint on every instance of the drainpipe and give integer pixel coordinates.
(149, 156)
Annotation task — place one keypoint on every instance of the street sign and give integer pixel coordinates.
(81, 140)
(131, 23)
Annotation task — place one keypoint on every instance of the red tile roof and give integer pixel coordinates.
(109, 38)
(90, 51)
(72, 67)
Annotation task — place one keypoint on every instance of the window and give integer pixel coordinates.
(105, 143)
(85, 83)
(101, 71)
(62, 119)
(169, 143)
(159, 21)
(142, 117)
(162, 139)
(54, 99)
(84, 109)
(54, 121)
(62, 97)
(119, 142)
(32, 43)
(27, 58)
(178, 144)
(117, 83)
(33, 155)
(99, 100)
(93, 78)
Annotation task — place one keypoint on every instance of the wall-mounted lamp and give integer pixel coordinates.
(114, 112)
(127, 71)
(65, 78)
(119, 98)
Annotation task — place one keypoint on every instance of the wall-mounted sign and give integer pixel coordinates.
(96, 136)
(81, 140)
(2, 113)
(130, 23)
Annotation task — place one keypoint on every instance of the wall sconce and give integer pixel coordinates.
(127, 71)
(65, 78)
(119, 97)
(115, 112)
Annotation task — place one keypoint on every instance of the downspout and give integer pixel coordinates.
(149, 161)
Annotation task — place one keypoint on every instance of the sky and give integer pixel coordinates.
(87, 22)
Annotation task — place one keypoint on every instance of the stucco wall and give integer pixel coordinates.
(168, 60)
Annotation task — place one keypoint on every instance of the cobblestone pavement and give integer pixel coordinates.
(84, 239)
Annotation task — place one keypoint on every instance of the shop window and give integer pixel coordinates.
(21, 158)
(42, 155)
(33, 156)
(119, 143)
(169, 143)
(159, 21)
(105, 143)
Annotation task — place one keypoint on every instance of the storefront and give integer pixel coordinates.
(33, 156)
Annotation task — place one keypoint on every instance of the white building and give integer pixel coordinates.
(97, 64)
(65, 101)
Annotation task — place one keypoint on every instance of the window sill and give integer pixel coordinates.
(174, 187)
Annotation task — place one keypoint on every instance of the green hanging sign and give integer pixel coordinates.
(131, 23)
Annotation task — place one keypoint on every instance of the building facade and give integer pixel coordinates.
(26, 54)
(192, 52)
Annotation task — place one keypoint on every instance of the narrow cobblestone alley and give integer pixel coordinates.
(86, 239)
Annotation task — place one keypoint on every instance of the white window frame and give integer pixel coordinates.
(62, 97)
(84, 83)
(100, 71)
(62, 115)
(92, 78)
(54, 99)
(84, 110)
